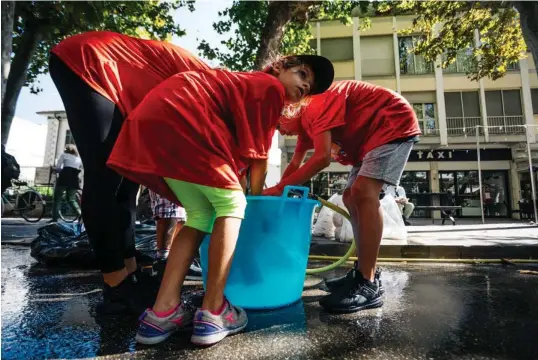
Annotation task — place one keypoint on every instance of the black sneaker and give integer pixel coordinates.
(194, 273)
(121, 299)
(332, 285)
(355, 295)
(406, 222)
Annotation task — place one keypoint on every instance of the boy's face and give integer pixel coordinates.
(298, 80)
(289, 127)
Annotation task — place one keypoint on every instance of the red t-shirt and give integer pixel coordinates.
(200, 127)
(122, 68)
(360, 116)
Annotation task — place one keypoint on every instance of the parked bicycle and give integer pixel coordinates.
(25, 201)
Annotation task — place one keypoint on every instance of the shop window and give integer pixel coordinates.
(417, 185)
(464, 190)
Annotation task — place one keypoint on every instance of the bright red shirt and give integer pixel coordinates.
(122, 68)
(360, 116)
(200, 127)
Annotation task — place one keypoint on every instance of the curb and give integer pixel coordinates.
(435, 252)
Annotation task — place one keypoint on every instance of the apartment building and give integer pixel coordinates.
(448, 106)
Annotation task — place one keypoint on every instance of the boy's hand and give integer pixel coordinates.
(273, 191)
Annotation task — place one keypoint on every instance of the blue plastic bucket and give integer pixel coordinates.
(269, 265)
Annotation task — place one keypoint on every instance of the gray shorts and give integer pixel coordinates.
(385, 163)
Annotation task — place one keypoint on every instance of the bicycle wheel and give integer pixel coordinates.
(67, 213)
(31, 206)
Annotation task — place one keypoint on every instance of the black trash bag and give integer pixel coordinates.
(67, 245)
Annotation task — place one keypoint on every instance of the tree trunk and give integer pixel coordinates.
(528, 17)
(8, 14)
(17, 75)
(278, 16)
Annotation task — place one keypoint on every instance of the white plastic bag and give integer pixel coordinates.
(393, 225)
(324, 225)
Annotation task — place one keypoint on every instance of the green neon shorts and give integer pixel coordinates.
(204, 204)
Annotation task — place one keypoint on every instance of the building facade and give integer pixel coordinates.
(448, 106)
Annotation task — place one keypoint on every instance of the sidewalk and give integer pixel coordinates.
(502, 239)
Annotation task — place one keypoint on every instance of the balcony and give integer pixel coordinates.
(463, 126)
(506, 125)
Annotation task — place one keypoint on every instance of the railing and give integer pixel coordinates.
(463, 126)
(427, 131)
(505, 125)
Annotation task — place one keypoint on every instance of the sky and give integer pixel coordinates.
(198, 25)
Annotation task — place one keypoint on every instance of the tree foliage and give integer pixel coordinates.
(40, 25)
(447, 28)
(57, 20)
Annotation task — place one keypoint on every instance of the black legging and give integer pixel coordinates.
(108, 213)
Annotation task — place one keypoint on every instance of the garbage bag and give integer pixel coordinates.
(324, 225)
(393, 225)
(61, 244)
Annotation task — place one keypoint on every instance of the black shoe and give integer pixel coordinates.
(355, 295)
(121, 299)
(194, 273)
(406, 222)
(332, 285)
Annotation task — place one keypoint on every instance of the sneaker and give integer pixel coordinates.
(331, 285)
(154, 329)
(355, 295)
(406, 221)
(195, 272)
(209, 329)
(120, 299)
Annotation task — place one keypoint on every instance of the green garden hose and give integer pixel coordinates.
(351, 249)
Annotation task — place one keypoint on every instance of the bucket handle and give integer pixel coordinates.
(296, 190)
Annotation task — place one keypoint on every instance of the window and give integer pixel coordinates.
(337, 49)
(462, 112)
(505, 112)
(417, 187)
(463, 64)
(69, 140)
(534, 96)
(410, 63)
(377, 56)
(426, 118)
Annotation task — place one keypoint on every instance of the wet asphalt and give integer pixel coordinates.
(430, 312)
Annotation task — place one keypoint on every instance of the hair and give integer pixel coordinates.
(286, 61)
(71, 149)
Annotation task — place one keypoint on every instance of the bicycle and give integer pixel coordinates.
(29, 203)
(67, 213)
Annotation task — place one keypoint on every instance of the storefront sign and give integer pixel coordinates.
(460, 155)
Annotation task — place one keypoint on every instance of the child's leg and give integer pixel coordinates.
(221, 251)
(184, 248)
(368, 217)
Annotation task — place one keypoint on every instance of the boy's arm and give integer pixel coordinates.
(319, 161)
(258, 171)
(295, 164)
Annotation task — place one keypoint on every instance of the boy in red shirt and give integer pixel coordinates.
(102, 76)
(220, 122)
(373, 129)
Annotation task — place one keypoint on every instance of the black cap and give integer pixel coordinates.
(323, 71)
